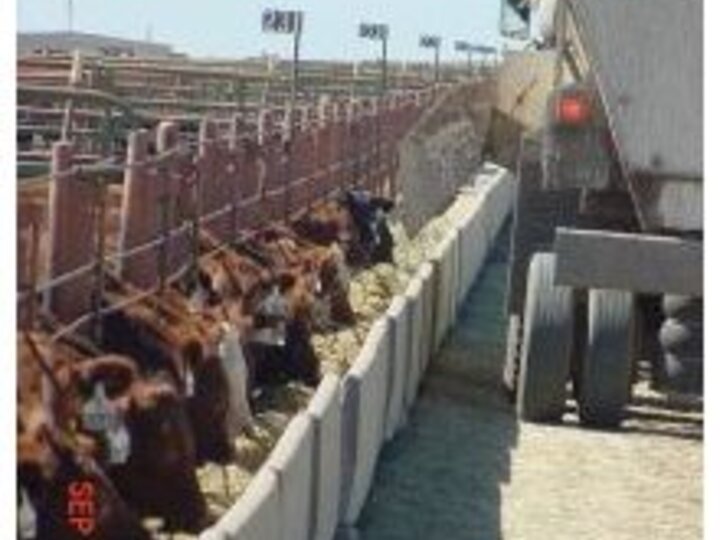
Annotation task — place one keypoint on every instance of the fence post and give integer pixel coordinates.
(374, 174)
(167, 140)
(71, 236)
(138, 212)
(323, 149)
(339, 140)
(99, 187)
(287, 165)
(237, 157)
(264, 139)
(352, 145)
(264, 121)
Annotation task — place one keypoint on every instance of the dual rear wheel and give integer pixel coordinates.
(594, 344)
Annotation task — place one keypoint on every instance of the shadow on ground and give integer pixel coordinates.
(440, 477)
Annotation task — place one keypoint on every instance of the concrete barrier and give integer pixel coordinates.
(454, 255)
(212, 534)
(428, 276)
(325, 413)
(444, 292)
(291, 460)
(366, 387)
(474, 243)
(399, 333)
(415, 299)
(492, 201)
(255, 515)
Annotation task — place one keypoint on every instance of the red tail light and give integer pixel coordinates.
(573, 109)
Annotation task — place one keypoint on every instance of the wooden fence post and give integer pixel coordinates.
(235, 174)
(71, 229)
(171, 252)
(323, 149)
(139, 213)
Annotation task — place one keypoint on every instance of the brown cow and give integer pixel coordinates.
(56, 462)
(158, 478)
(163, 335)
(155, 470)
(323, 268)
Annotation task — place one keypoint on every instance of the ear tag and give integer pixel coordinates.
(119, 442)
(189, 383)
(27, 517)
(274, 304)
(281, 334)
(97, 414)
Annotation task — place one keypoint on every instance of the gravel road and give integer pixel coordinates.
(464, 468)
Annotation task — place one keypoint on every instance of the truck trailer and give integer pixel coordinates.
(606, 277)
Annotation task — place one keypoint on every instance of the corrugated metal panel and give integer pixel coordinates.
(647, 55)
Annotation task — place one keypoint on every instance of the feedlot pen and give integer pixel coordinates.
(464, 468)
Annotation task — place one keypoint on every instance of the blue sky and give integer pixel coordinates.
(230, 28)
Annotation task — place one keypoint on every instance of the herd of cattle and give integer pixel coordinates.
(171, 380)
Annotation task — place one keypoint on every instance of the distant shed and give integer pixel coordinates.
(50, 43)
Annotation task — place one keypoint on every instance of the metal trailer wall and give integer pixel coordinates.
(327, 455)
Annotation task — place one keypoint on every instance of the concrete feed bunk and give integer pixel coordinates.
(324, 462)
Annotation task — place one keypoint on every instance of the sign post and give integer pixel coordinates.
(433, 42)
(287, 22)
(378, 32)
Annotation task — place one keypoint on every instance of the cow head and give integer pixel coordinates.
(369, 215)
(50, 464)
(159, 476)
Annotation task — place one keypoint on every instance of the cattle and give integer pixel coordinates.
(55, 459)
(146, 442)
(323, 268)
(327, 223)
(158, 477)
(279, 299)
(168, 341)
(138, 428)
(357, 221)
(49, 469)
(369, 215)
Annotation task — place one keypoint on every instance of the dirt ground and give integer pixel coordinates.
(464, 468)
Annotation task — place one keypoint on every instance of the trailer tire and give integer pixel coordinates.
(684, 375)
(607, 367)
(547, 343)
(683, 307)
(682, 338)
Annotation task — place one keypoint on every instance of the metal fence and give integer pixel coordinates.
(78, 225)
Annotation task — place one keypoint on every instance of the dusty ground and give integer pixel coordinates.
(465, 469)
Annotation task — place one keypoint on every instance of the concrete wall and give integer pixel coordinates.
(321, 470)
